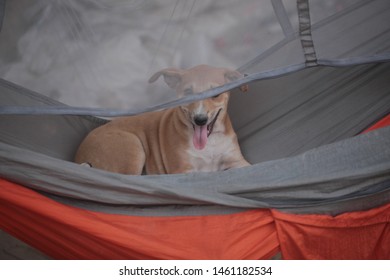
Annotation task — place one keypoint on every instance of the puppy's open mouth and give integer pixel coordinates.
(202, 132)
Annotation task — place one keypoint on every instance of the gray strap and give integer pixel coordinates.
(305, 33)
(2, 12)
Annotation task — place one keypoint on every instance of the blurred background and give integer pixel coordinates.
(101, 53)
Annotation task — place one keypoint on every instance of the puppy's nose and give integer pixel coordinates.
(200, 119)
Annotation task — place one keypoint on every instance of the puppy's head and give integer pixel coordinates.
(203, 115)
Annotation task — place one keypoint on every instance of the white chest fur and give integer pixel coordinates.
(213, 157)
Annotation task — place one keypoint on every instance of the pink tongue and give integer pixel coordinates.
(200, 137)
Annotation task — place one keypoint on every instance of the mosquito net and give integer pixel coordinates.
(318, 75)
(101, 53)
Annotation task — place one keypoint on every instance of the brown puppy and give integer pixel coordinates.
(195, 137)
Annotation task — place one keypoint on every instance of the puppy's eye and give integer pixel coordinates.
(215, 97)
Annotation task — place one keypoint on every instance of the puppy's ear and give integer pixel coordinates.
(172, 76)
(232, 75)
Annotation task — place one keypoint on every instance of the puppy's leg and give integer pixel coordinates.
(131, 155)
(241, 163)
(116, 151)
(235, 162)
(238, 164)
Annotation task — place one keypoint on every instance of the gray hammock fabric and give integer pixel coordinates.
(345, 175)
(309, 96)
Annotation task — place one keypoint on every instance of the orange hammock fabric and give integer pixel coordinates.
(382, 123)
(355, 235)
(64, 232)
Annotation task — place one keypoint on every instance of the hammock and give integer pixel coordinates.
(318, 186)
